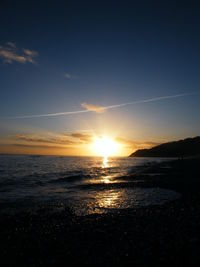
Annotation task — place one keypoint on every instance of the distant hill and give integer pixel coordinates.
(181, 148)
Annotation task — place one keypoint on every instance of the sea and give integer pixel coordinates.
(86, 185)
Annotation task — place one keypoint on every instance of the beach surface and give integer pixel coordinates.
(148, 235)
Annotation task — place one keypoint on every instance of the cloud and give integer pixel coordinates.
(72, 143)
(45, 143)
(73, 139)
(68, 75)
(86, 138)
(30, 53)
(136, 144)
(98, 108)
(57, 139)
(94, 108)
(9, 53)
(36, 146)
(83, 137)
(11, 44)
(64, 139)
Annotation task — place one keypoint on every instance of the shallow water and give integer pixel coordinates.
(86, 184)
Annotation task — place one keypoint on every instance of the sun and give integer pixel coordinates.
(104, 146)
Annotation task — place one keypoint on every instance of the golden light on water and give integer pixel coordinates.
(105, 162)
(109, 199)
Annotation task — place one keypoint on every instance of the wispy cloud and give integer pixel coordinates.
(73, 142)
(30, 53)
(9, 53)
(82, 137)
(134, 144)
(36, 146)
(99, 108)
(11, 44)
(94, 108)
(45, 139)
(70, 76)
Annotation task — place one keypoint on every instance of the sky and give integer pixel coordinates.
(124, 69)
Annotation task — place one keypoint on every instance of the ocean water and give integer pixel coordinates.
(85, 184)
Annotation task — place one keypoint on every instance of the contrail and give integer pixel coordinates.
(49, 114)
(104, 108)
(147, 100)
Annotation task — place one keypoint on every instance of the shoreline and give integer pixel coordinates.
(159, 235)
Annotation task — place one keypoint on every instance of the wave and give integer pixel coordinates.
(69, 179)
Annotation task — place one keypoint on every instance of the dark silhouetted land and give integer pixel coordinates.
(182, 148)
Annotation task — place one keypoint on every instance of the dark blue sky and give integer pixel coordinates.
(112, 52)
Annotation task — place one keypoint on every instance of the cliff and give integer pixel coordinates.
(181, 148)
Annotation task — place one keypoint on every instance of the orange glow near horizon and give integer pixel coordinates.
(103, 145)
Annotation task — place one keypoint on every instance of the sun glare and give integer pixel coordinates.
(105, 147)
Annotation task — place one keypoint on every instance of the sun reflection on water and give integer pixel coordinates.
(109, 200)
(105, 162)
(106, 179)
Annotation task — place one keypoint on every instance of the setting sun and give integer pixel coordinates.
(104, 146)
